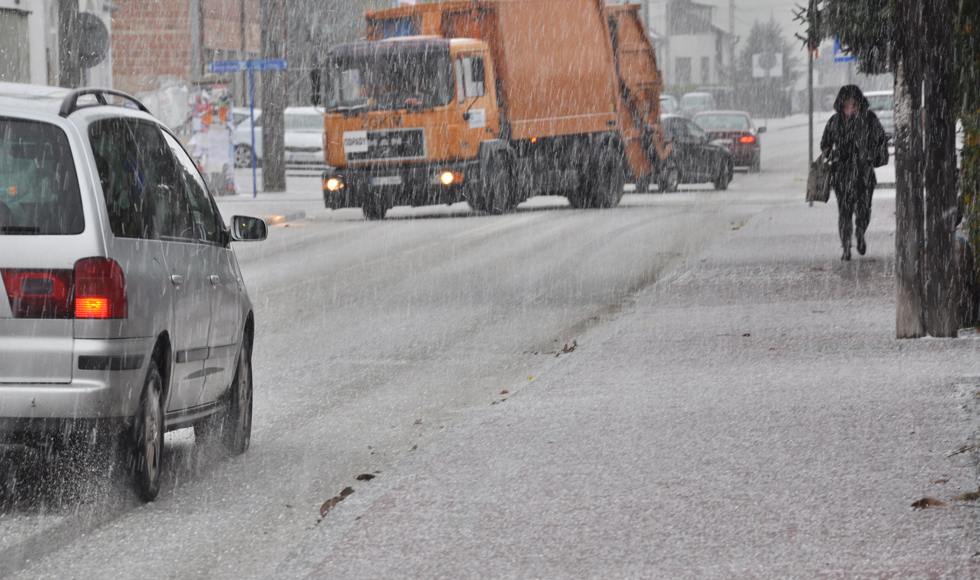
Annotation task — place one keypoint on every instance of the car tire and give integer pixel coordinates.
(243, 156)
(375, 207)
(238, 421)
(756, 166)
(669, 179)
(232, 424)
(147, 437)
(724, 177)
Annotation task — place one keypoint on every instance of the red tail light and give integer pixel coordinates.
(39, 293)
(747, 139)
(100, 289)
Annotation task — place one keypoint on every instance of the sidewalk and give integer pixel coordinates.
(750, 417)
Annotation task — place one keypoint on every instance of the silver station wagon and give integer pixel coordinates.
(125, 315)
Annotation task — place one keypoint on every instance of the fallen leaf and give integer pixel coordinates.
(941, 481)
(364, 477)
(346, 491)
(958, 450)
(327, 505)
(418, 421)
(928, 502)
(971, 496)
(530, 378)
(747, 334)
(414, 447)
(504, 392)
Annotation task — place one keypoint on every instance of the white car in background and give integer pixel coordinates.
(883, 105)
(303, 139)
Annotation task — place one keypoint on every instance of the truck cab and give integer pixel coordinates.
(404, 121)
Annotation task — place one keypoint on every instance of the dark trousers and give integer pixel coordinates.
(853, 202)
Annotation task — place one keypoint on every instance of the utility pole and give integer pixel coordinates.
(809, 74)
(243, 53)
(273, 15)
(731, 42)
(69, 64)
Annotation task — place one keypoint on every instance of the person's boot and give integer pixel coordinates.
(861, 246)
(846, 257)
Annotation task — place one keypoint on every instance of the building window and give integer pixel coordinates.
(15, 60)
(683, 69)
(705, 69)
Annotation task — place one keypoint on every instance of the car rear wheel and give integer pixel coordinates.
(147, 437)
(668, 180)
(756, 166)
(724, 177)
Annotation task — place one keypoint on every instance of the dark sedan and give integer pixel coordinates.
(694, 158)
(738, 132)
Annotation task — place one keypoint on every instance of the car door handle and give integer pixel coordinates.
(177, 279)
(214, 279)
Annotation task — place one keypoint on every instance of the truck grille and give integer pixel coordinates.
(390, 145)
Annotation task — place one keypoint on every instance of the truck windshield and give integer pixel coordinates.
(390, 80)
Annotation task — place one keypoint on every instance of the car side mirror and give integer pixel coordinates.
(248, 229)
(760, 130)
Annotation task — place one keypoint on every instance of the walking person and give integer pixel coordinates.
(855, 143)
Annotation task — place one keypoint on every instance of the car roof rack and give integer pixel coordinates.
(70, 104)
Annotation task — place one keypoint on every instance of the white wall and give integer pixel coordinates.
(695, 47)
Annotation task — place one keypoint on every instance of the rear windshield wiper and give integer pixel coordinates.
(20, 230)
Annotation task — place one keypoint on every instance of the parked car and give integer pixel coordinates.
(668, 105)
(303, 139)
(736, 130)
(242, 115)
(724, 96)
(883, 105)
(693, 103)
(694, 158)
(125, 313)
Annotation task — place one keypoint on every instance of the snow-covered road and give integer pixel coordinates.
(372, 338)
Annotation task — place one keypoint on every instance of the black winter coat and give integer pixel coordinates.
(855, 145)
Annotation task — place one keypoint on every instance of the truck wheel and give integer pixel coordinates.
(375, 207)
(497, 191)
(668, 179)
(147, 437)
(608, 178)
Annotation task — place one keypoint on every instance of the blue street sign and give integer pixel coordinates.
(233, 66)
(841, 58)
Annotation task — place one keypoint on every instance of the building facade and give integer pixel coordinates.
(30, 37)
(690, 48)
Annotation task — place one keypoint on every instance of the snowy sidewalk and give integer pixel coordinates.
(751, 417)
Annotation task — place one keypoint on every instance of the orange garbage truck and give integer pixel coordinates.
(492, 102)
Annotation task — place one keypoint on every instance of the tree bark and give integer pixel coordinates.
(273, 97)
(940, 169)
(909, 212)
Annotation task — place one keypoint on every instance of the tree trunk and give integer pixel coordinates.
(940, 169)
(909, 215)
(273, 97)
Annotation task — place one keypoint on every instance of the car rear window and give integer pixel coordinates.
(38, 185)
(881, 102)
(722, 122)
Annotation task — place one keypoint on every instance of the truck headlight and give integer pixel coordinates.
(447, 177)
(333, 184)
